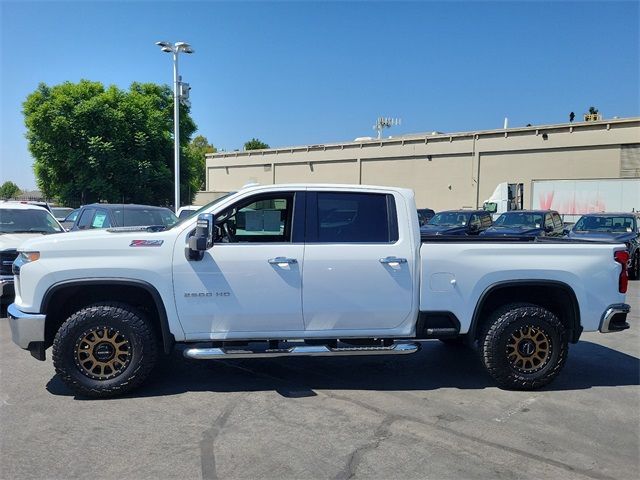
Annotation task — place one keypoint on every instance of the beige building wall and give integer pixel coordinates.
(227, 179)
(439, 182)
(445, 170)
(318, 172)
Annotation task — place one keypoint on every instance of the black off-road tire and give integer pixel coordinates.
(503, 358)
(116, 323)
(634, 271)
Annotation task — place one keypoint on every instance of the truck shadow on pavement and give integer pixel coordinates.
(435, 366)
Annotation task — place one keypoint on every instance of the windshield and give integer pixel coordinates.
(27, 221)
(142, 217)
(519, 219)
(202, 209)
(450, 219)
(605, 224)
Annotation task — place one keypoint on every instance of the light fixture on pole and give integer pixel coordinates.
(180, 93)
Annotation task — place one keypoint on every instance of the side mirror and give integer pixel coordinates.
(548, 229)
(473, 228)
(202, 239)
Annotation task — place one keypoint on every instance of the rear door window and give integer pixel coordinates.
(101, 219)
(353, 218)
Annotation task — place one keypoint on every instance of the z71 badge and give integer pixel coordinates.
(146, 243)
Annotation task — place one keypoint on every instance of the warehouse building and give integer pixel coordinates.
(446, 170)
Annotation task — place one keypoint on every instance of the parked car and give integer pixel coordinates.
(105, 215)
(300, 280)
(621, 227)
(20, 221)
(424, 215)
(187, 210)
(457, 222)
(529, 223)
(61, 213)
(70, 219)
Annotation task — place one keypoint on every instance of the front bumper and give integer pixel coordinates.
(27, 329)
(614, 319)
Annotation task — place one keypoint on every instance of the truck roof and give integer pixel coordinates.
(332, 186)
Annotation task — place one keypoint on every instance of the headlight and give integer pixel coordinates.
(22, 259)
(28, 257)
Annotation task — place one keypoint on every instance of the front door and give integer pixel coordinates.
(251, 279)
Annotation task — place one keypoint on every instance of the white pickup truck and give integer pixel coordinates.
(288, 270)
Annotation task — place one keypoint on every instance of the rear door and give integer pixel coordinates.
(357, 267)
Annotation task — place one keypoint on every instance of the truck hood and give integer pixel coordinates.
(621, 237)
(512, 231)
(96, 240)
(14, 240)
(443, 230)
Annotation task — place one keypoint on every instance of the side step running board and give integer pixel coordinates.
(209, 353)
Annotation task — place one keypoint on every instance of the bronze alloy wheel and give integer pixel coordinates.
(102, 353)
(528, 349)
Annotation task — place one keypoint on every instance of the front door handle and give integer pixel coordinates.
(393, 261)
(282, 261)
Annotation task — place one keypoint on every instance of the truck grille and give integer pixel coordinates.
(6, 260)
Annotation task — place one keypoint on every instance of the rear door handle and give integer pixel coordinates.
(282, 261)
(393, 261)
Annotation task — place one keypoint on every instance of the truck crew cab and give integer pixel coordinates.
(286, 270)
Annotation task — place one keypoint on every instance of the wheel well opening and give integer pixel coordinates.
(557, 299)
(67, 300)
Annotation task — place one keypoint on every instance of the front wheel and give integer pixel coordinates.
(524, 347)
(105, 350)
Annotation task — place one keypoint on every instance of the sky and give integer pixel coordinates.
(299, 73)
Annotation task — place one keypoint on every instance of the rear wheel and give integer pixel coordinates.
(105, 350)
(524, 347)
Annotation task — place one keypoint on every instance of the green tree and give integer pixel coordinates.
(9, 190)
(197, 151)
(593, 110)
(255, 144)
(93, 143)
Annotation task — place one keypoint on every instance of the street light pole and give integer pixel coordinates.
(176, 132)
(175, 49)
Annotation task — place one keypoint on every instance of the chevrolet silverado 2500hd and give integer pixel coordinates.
(286, 270)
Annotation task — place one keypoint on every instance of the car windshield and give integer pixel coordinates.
(142, 217)
(27, 221)
(594, 223)
(201, 209)
(519, 219)
(450, 219)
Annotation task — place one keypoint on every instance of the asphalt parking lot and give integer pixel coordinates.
(434, 414)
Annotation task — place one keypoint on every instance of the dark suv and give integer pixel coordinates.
(457, 222)
(527, 223)
(620, 227)
(105, 215)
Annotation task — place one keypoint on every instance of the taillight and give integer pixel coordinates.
(622, 257)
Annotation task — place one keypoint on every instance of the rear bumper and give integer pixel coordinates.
(26, 328)
(614, 319)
